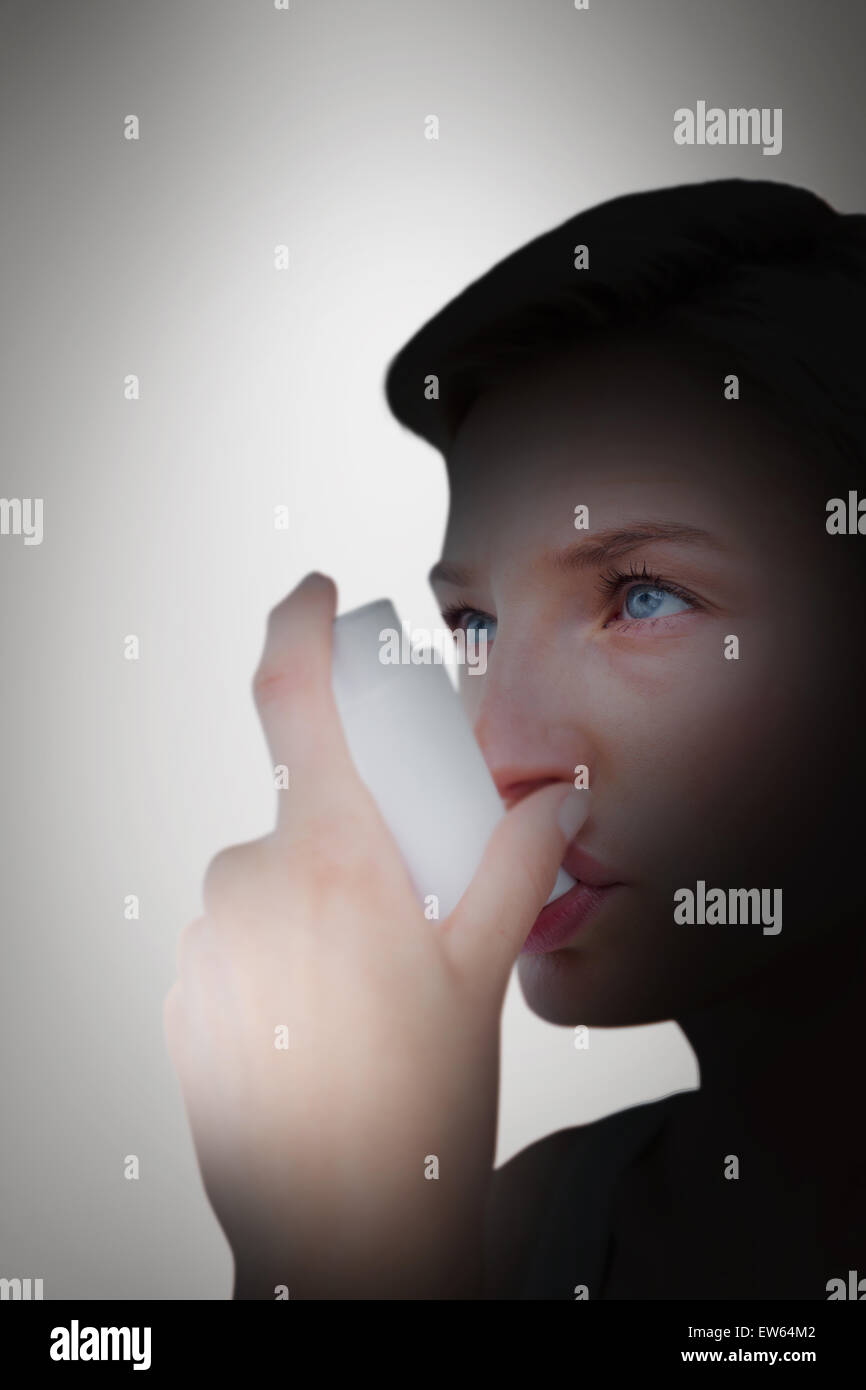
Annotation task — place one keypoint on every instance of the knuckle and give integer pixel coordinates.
(275, 682)
(333, 855)
(172, 1018)
(229, 875)
(270, 683)
(187, 946)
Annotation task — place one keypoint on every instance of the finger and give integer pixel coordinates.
(199, 986)
(487, 929)
(187, 944)
(243, 884)
(172, 1022)
(295, 701)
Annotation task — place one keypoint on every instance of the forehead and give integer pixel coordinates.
(636, 427)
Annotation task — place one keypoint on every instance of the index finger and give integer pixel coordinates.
(295, 700)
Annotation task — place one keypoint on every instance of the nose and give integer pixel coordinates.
(528, 725)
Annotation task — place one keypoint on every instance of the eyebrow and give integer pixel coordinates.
(595, 550)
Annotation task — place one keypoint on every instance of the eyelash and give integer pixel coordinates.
(451, 616)
(614, 579)
(609, 585)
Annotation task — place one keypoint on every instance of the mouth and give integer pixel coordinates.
(559, 921)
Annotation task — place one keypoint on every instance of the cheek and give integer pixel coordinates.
(662, 700)
(697, 753)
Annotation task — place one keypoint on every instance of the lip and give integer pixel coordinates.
(558, 922)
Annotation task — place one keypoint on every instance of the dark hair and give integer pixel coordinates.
(767, 273)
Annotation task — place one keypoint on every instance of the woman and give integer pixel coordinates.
(646, 415)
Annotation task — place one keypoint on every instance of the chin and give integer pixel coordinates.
(568, 988)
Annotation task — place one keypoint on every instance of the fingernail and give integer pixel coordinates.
(572, 813)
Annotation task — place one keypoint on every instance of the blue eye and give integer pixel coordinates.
(475, 622)
(648, 601)
(470, 620)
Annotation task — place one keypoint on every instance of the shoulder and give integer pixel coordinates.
(515, 1205)
(522, 1190)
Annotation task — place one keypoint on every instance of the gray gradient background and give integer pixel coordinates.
(259, 127)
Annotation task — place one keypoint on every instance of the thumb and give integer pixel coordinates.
(514, 880)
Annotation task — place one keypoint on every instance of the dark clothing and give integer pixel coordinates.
(602, 1205)
(549, 1220)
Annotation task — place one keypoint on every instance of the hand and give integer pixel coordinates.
(314, 1154)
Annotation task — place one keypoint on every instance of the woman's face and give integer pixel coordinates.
(607, 648)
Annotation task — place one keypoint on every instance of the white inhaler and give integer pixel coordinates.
(414, 749)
